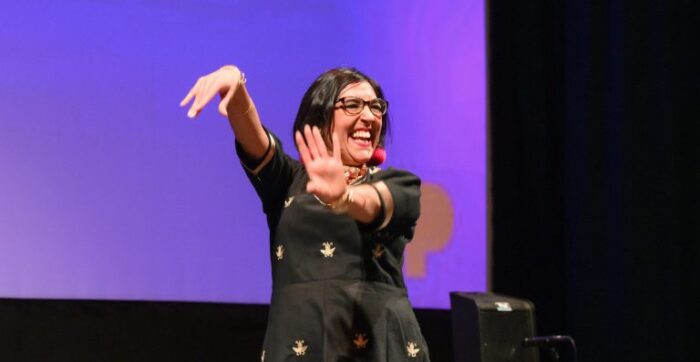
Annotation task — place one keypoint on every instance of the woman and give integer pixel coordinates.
(338, 226)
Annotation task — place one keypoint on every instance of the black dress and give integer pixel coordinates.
(338, 290)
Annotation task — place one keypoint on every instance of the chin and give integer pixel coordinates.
(356, 161)
(358, 157)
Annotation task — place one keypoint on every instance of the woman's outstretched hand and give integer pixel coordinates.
(325, 170)
(224, 82)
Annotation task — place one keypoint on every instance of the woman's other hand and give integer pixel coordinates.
(325, 170)
(224, 81)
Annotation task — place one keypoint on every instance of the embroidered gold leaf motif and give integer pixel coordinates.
(300, 348)
(280, 252)
(378, 251)
(288, 201)
(412, 350)
(360, 340)
(328, 249)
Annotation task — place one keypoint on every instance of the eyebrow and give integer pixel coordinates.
(341, 96)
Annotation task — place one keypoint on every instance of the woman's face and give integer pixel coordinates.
(358, 134)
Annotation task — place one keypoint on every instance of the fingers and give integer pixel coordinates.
(206, 88)
(311, 142)
(303, 150)
(196, 92)
(312, 146)
(192, 112)
(311, 187)
(209, 90)
(191, 93)
(320, 143)
(224, 102)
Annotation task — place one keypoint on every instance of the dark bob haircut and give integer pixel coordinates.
(318, 105)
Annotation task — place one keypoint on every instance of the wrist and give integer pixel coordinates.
(240, 103)
(341, 204)
(241, 76)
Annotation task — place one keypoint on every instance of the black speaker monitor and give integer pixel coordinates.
(488, 327)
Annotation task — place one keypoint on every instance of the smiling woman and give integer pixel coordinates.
(129, 212)
(338, 224)
(358, 127)
(334, 99)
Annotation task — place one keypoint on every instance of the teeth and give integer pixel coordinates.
(361, 134)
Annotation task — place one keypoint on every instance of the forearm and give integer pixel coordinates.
(365, 203)
(245, 123)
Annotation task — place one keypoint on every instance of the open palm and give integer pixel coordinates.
(325, 169)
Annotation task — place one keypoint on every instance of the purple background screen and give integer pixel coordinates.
(108, 191)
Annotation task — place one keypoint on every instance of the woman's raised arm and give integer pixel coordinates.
(229, 83)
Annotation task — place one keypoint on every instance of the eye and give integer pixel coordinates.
(377, 106)
(353, 104)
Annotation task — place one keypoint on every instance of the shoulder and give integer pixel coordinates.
(272, 175)
(274, 156)
(399, 191)
(394, 175)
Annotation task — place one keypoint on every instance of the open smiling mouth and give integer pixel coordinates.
(362, 137)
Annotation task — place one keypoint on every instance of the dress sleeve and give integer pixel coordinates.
(271, 175)
(402, 211)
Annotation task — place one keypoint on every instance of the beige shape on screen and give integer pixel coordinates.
(433, 229)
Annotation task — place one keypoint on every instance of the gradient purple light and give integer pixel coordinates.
(109, 192)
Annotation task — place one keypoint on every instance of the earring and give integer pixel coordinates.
(378, 156)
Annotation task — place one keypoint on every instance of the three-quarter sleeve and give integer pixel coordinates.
(402, 210)
(270, 175)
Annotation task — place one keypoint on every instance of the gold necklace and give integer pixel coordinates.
(354, 174)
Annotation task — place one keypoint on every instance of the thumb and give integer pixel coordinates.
(225, 101)
(311, 187)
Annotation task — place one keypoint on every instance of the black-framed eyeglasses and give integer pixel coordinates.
(354, 106)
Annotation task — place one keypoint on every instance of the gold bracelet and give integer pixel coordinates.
(342, 204)
(243, 79)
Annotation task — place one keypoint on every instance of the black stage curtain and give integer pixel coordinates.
(594, 173)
